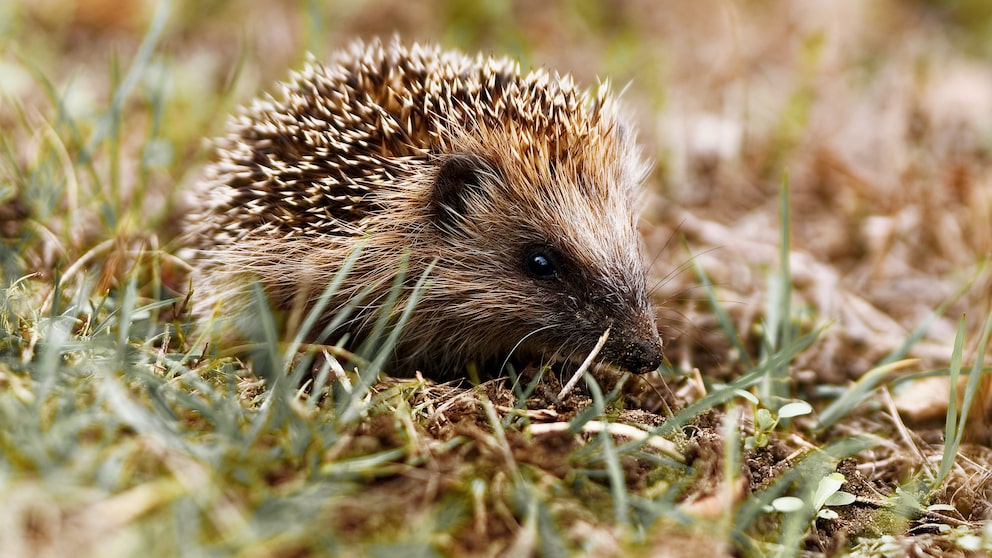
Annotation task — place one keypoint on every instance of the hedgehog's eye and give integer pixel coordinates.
(540, 265)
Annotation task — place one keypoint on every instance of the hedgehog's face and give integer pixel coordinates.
(555, 263)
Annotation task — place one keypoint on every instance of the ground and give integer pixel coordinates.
(819, 227)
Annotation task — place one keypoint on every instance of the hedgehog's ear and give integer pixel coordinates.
(459, 176)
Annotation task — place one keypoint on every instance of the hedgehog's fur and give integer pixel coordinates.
(433, 156)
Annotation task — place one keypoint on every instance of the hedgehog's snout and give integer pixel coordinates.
(636, 347)
(641, 356)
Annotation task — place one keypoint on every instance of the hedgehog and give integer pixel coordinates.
(516, 193)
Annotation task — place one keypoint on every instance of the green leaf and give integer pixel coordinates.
(951, 418)
(747, 395)
(827, 514)
(828, 486)
(840, 498)
(787, 504)
(795, 409)
(763, 420)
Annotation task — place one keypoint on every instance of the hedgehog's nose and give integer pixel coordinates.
(638, 348)
(641, 356)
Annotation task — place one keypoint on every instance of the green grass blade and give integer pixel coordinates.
(368, 375)
(971, 388)
(371, 347)
(856, 394)
(267, 358)
(614, 472)
(267, 363)
(726, 324)
(128, 301)
(142, 58)
(778, 316)
(951, 418)
(317, 311)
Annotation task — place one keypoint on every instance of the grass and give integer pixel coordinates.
(123, 432)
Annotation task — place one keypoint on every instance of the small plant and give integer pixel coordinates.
(766, 420)
(828, 494)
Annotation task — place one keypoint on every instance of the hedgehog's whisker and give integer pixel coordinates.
(679, 269)
(667, 243)
(520, 341)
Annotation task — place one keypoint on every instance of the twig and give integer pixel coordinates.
(666, 447)
(585, 365)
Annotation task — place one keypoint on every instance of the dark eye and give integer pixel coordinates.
(540, 265)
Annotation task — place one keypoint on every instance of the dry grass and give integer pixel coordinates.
(120, 436)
